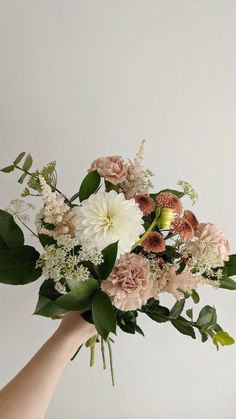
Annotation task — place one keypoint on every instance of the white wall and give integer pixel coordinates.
(80, 79)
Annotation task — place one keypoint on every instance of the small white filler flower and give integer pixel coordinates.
(107, 217)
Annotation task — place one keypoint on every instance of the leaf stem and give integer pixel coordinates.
(25, 225)
(92, 354)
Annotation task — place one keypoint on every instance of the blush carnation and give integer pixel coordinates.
(145, 203)
(169, 200)
(112, 168)
(183, 228)
(154, 242)
(130, 285)
(209, 232)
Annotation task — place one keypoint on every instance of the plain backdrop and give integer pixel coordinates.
(83, 79)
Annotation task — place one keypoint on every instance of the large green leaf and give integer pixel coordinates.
(159, 314)
(17, 265)
(227, 283)
(177, 309)
(231, 265)
(10, 232)
(47, 308)
(184, 327)
(89, 186)
(80, 296)
(103, 314)
(109, 258)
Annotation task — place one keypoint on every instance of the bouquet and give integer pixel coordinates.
(113, 249)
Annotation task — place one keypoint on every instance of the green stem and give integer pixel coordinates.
(103, 354)
(92, 354)
(145, 234)
(25, 225)
(111, 361)
(49, 184)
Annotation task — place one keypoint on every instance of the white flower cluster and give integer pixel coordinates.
(138, 178)
(19, 209)
(204, 258)
(58, 262)
(188, 190)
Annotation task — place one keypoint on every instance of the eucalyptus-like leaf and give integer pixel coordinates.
(223, 338)
(19, 158)
(27, 163)
(8, 169)
(184, 327)
(207, 318)
(177, 309)
(195, 297)
(22, 178)
(227, 283)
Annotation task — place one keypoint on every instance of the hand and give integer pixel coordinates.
(73, 324)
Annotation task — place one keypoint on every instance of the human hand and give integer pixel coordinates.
(74, 325)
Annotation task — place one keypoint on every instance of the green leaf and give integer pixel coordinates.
(223, 338)
(46, 240)
(181, 268)
(80, 296)
(159, 314)
(228, 283)
(177, 309)
(27, 163)
(109, 258)
(103, 314)
(195, 297)
(183, 327)
(111, 187)
(8, 169)
(47, 289)
(19, 158)
(10, 232)
(231, 265)
(82, 288)
(89, 185)
(47, 308)
(171, 252)
(204, 335)
(207, 318)
(189, 313)
(22, 178)
(17, 265)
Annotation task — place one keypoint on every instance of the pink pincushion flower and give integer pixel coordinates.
(145, 203)
(209, 232)
(112, 168)
(154, 242)
(169, 200)
(130, 285)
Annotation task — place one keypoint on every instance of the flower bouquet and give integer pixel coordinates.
(113, 248)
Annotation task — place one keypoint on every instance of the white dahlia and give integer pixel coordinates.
(106, 217)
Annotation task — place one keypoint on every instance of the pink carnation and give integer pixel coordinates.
(112, 168)
(209, 232)
(129, 285)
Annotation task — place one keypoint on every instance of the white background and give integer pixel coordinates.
(82, 79)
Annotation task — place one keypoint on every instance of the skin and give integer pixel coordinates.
(28, 394)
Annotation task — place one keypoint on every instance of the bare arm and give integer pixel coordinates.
(27, 396)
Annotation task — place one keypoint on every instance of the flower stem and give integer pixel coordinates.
(92, 354)
(49, 184)
(103, 354)
(145, 234)
(111, 361)
(28, 228)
